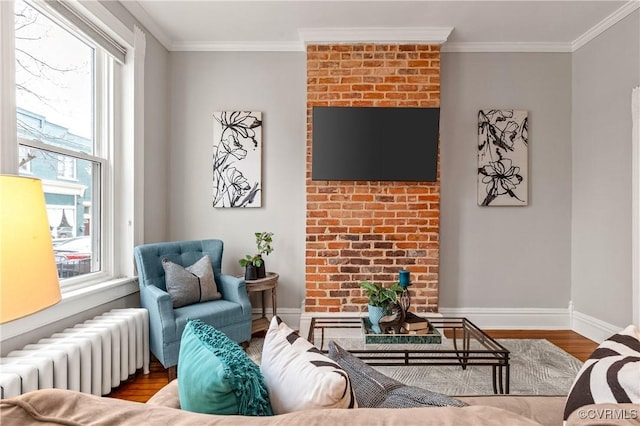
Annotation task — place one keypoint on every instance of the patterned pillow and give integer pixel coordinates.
(610, 375)
(298, 376)
(215, 376)
(375, 390)
(192, 284)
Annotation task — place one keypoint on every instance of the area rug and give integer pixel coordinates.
(538, 367)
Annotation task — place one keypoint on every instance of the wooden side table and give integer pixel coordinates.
(270, 282)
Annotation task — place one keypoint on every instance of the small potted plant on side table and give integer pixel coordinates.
(253, 265)
(380, 300)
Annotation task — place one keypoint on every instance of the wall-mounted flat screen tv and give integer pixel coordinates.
(375, 143)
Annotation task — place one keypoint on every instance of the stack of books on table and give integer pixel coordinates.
(414, 324)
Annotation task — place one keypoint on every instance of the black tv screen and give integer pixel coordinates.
(375, 143)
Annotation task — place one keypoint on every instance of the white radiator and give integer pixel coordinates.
(92, 357)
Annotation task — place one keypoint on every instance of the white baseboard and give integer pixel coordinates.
(291, 316)
(514, 318)
(593, 328)
(488, 318)
(305, 318)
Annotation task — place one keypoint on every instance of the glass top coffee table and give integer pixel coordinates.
(465, 345)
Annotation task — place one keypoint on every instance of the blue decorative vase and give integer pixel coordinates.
(375, 313)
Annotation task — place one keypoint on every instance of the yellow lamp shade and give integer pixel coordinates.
(28, 275)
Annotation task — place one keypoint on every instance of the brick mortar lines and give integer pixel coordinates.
(369, 230)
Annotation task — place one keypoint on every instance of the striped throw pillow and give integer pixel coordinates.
(300, 377)
(610, 375)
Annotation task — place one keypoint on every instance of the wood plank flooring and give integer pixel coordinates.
(141, 387)
(567, 340)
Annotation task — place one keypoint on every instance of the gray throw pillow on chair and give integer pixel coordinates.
(376, 390)
(192, 284)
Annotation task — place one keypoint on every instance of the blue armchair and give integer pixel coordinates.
(231, 314)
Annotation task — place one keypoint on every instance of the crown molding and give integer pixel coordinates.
(507, 47)
(238, 46)
(605, 24)
(139, 12)
(426, 35)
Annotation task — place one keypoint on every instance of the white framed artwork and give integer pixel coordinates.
(237, 159)
(503, 139)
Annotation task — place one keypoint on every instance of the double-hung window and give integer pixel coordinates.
(69, 94)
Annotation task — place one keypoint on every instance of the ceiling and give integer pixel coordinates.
(535, 25)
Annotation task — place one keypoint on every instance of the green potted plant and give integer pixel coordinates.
(253, 265)
(380, 299)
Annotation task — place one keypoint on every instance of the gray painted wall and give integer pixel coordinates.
(275, 84)
(490, 257)
(604, 73)
(506, 257)
(156, 128)
(156, 141)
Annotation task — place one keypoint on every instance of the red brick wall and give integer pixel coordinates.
(359, 231)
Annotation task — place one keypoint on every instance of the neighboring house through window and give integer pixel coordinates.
(66, 167)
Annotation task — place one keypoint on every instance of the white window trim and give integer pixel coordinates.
(635, 204)
(72, 303)
(129, 213)
(8, 130)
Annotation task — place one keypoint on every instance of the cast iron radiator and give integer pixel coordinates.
(92, 357)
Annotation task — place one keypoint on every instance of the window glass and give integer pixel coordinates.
(54, 81)
(26, 155)
(66, 167)
(56, 88)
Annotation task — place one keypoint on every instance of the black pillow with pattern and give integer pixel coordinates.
(610, 375)
(376, 390)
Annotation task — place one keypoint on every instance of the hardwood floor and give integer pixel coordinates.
(141, 387)
(567, 340)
